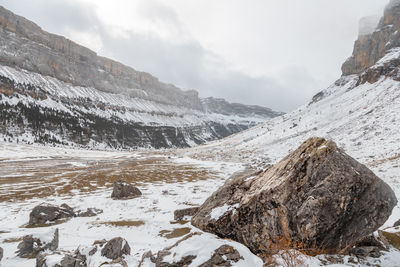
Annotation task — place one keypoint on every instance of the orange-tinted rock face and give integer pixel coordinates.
(368, 49)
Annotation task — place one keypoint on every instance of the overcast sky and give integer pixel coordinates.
(275, 53)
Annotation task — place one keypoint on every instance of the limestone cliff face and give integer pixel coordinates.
(25, 45)
(370, 48)
(54, 91)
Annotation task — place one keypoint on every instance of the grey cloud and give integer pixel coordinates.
(55, 15)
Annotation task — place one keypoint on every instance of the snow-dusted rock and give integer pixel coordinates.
(225, 255)
(58, 259)
(317, 198)
(201, 249)
(116, 248)
(90, 212)
(1, 253)
(124, 190)
(49, 213)
(180, 214)
(32, 245)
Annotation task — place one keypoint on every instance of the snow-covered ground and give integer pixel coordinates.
(147, 222)
(363, 120)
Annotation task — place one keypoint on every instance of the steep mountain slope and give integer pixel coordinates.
(360, 111)
(55, 91)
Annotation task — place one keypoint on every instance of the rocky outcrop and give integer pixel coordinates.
(116, 248)
(317, 199)
(180, 214)
(124, 190)
(370, 48)
(44, 213)
(32, 245)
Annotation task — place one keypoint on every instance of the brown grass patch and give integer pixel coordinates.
(175, 233)
(121, 223)
(44, 178)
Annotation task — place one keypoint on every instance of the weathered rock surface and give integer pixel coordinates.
(31, 246)
(124, 190)
(180, 214)
(225, 255)
(317, 199)
(46, 212)
(90, 212)
(116, 248)
(393, 238)
(44, 259)
(49, 213)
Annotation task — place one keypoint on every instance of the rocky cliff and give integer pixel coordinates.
(371, 47)
(53, 90)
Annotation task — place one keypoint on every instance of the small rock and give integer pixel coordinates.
(45, 259)
(90, 212)
(49, 213)
(223, 256)
(99, 242)
(116, 248)
(121, 262)
(124, 190)
(397, 223)
(1, 253)
(31, 246)
(180, 214)
(373, 252)
(372, 241)
(353, 260)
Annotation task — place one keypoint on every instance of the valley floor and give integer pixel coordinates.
(30, 175)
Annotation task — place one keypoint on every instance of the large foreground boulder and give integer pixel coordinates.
(124, 190)
(317, 199)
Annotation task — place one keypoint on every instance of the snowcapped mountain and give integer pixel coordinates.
(54, 91)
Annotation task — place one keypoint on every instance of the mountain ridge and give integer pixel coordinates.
(54, 91)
